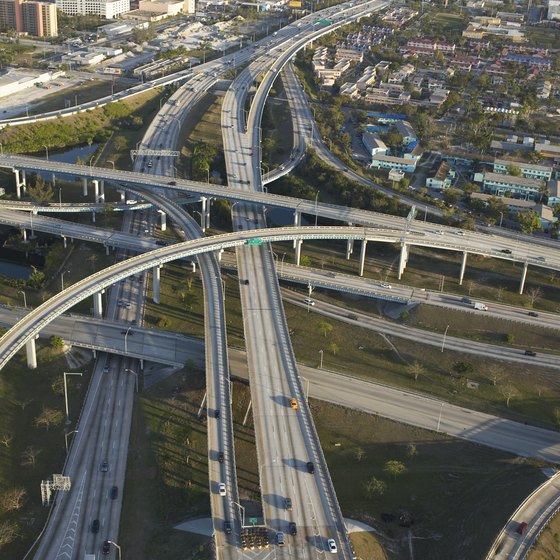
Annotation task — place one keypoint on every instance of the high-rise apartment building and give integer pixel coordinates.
(108, 9)
(35, 18)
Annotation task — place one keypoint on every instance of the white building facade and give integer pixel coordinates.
(108, 9)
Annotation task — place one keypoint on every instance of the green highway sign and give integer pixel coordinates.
(256, 241)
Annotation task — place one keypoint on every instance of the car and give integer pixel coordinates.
(95, 526)
(293, 403)
(106, 369)
(530, 353)
(439, 232)
(293, 528)
(310, 467)
(288, 504)
(217, 413)
(308, 301)
(172, 183)
(127, 305)
(352, 316)
(106, 548)
(460, 232)
(280, 539)
(220, 457)
(114, 493)
(385, 285)
(160, 242)
(331, 546)
(533, 314)
(246, 282)
(222, 489)
(466, 300)
(227, 527)
(104, 466)
(120, 303)
(130, 332)
(506, 251)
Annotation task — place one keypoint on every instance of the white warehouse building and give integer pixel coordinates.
(108, 9)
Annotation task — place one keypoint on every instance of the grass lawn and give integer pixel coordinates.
(24, 394)
(548, 543)
(447, 487)
(448, 22)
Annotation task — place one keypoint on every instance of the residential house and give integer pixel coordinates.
(348, 53)
(553, 187)
(441, 176)
(516, 187)
(380, 161)
(529, 170)
(367, 78)
(401, 74)
(404, 128)
(387, 94)
(350, 89)
(374, 145)
(438, 97)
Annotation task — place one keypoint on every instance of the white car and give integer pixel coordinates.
(331, 545)
(308, 301)
(460, 232)
(385, 285)
(439, 232)
(222, 489)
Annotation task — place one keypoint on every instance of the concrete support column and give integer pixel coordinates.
(155, 283)
(24, 234)
(102, 191)
(123, 195)
(64, 241)
(523, 277)
(98, 305)
(219, 256)
(94, 353)
(142, 363)
(463, 266)
(207, 215)
(297, 223)
(95, 190)
(299, 243)
(163, 220)
(363, 256)
(204, 201)
(18, 184)
(84, 186)
(107, 250)
(403, 260)
(31, 354)
(93, 217)
(53, 179)
(23, 181)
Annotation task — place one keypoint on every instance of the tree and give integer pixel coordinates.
(6, 439)
(29, 456)
(8, 532)
(534, 294)
(325, 328)
(56, 342)
(57, 386)
(49, 417)
(394, 468)
(411, 450)
(375, 487)
(36, 279)
(528, 221)
(462, 368)
(305, 260)
(41, 191)
(416, 369)
(12, 499)
(514, 170)
(333, 347)
(360, 453)
(92, 259)
(508, 391)
(495, 373)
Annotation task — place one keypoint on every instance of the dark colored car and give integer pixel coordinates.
(95, 526)
(293, 528)
(160, 242)
(216, 413)
(114, 492)
(533, 314)
(530, 353)
(506, 251)
(106, 548)
(220, 457)
(310, 468)
(246, 282)
(288, 504)
(227, 527)
(172, 183)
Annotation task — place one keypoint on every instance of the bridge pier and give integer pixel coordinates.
(219, 255)
(403, 259)
(299, 243)
(155, 283)
(84, 186)
(297, 223)
(523, 277)
(31, 353)
(205, 213)
(463, 266)
(363, 256)
(349, 245)
(98, 304)
(20, 182)
(53, 179)
(24, 234)
(101, 191)
(64, 241)
(123, 195)
(95, 190)
(93, 217)
(163, 218)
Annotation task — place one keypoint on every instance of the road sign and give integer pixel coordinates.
(253, 520)
(257, 241)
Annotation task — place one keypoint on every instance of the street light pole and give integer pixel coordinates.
(66, 392)
(24, 298)
(46, 150)
(501, 218)
(316, 199)
(135, 375)
(66, 438)
(242, 513)
(439, 419)
(306, 389)
(117, 547)
(321, 360)
(443, 341)
(125, 337)
(62, 280)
